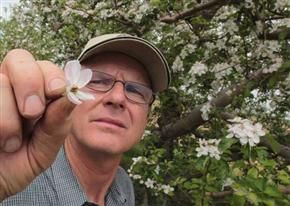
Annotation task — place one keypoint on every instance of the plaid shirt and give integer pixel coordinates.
(58, 186)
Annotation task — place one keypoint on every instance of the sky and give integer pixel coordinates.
(5, 6)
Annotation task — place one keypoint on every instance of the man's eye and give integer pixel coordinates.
(102, 81)
(134, 90)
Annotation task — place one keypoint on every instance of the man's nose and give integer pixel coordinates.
(116, 96)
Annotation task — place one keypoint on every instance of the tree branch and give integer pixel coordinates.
(213, 5)
(222, 194)
(194, 119)
(276, 35)
(123, 20)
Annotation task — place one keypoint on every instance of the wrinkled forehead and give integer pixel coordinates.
(114, 62)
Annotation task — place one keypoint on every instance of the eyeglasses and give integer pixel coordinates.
(134, 91)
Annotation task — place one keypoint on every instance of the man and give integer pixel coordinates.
(79, 147)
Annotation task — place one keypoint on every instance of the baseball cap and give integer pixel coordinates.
(140, 49)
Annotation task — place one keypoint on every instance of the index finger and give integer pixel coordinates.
(27, 81)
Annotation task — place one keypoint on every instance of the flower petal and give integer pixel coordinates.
(84, 78)
(73, 98)
(72, 71)
(84, 96)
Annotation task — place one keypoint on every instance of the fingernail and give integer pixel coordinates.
(56, 84)
(33, 105)
(12, 144)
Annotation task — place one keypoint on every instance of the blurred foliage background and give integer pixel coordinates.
(220, 135)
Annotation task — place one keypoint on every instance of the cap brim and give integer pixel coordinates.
(138, 48)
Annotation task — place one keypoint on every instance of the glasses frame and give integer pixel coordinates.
(124, 88)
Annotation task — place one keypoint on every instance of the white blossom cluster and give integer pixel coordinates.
(143, 10)
(273, 67)
(198, 69)
(181, 27)
(177, 65)
(246, 131)
(146, 133)
(70, 9)
(268, 49)
(148, 182)
(208, 148)
(224, 12)
(280, 24)
(281, 4)
(221, 70)
(152, 184)
(187, 50)
(230, 27)
(205, 110)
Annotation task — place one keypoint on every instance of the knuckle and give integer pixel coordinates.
(7, 128)
(49, 68)
(10, 56)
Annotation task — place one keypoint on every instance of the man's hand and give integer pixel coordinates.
(34, 119)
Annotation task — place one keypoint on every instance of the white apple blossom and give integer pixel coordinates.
(135, 177)
(167, 189)
(146, 133)
(177, 64)
(246, 131)
(208, 148)
(77, 78)
(149, 183)
(198, 68)
(137, 159)
(157, 170)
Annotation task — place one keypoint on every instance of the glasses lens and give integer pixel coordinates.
(101, 81)
(138, 92)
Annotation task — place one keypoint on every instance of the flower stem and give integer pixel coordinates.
(204, 178)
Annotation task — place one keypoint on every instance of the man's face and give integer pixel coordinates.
(111, 123)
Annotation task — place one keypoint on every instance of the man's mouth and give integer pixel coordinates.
(111, 122)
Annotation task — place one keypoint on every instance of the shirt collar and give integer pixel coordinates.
(115, 189)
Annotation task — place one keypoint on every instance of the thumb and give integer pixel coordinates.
(49, 134)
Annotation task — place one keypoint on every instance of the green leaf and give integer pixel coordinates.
(272, 191)
(238, 200)
(253, 198)
(155, 2)
(227, 143)
(253, 172)
(269, 163)
(273, 143)
(283, 177)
